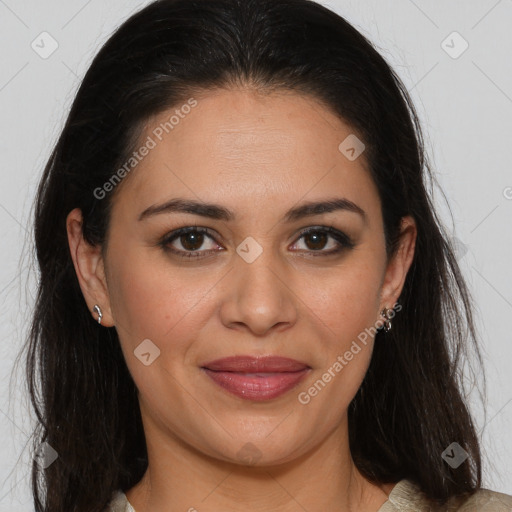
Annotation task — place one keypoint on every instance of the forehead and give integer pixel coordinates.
(247, 150)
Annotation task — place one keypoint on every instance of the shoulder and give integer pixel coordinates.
(485, 500)
(407, 496)
(119, 503)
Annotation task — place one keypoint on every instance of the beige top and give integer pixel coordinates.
(404, 497)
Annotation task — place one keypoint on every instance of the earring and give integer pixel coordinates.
(387, 314)
(97, 309)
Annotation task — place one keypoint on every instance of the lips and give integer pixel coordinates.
(256, 378)
(250, 364)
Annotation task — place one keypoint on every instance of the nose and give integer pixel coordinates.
(259, 296)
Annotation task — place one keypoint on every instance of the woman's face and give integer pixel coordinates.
(253, 284)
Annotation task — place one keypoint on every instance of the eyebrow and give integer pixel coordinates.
(217, 212)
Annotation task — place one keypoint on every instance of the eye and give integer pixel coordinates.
(191, 239)
(316, 239)
(187, 242)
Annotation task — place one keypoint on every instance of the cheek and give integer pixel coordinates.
(346, 299)
(347, 306)
(150, 299)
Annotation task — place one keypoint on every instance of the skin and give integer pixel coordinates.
(258, 155)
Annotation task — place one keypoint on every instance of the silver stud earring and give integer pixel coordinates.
(387, 314)
(97, 309)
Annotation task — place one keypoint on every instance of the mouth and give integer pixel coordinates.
(256, 378)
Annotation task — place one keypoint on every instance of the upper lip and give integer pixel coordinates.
(252, 364)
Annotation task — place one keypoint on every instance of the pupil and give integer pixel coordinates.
(196, 238)
(319, 240)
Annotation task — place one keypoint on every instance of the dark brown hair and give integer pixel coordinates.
(411, 405)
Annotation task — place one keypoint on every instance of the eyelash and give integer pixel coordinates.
(344, 241)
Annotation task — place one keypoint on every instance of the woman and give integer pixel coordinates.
(247, 301)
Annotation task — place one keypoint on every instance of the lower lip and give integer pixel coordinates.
(257, 386)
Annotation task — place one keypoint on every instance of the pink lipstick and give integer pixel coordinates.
(256, 378)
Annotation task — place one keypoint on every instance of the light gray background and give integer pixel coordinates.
(465, 104)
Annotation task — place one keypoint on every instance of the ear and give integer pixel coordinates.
(398, 266)
(89, 268)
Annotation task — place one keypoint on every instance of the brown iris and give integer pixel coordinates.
(319, 240)
(193, 241)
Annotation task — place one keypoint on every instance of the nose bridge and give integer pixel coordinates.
(257, 268)
(259, 297)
